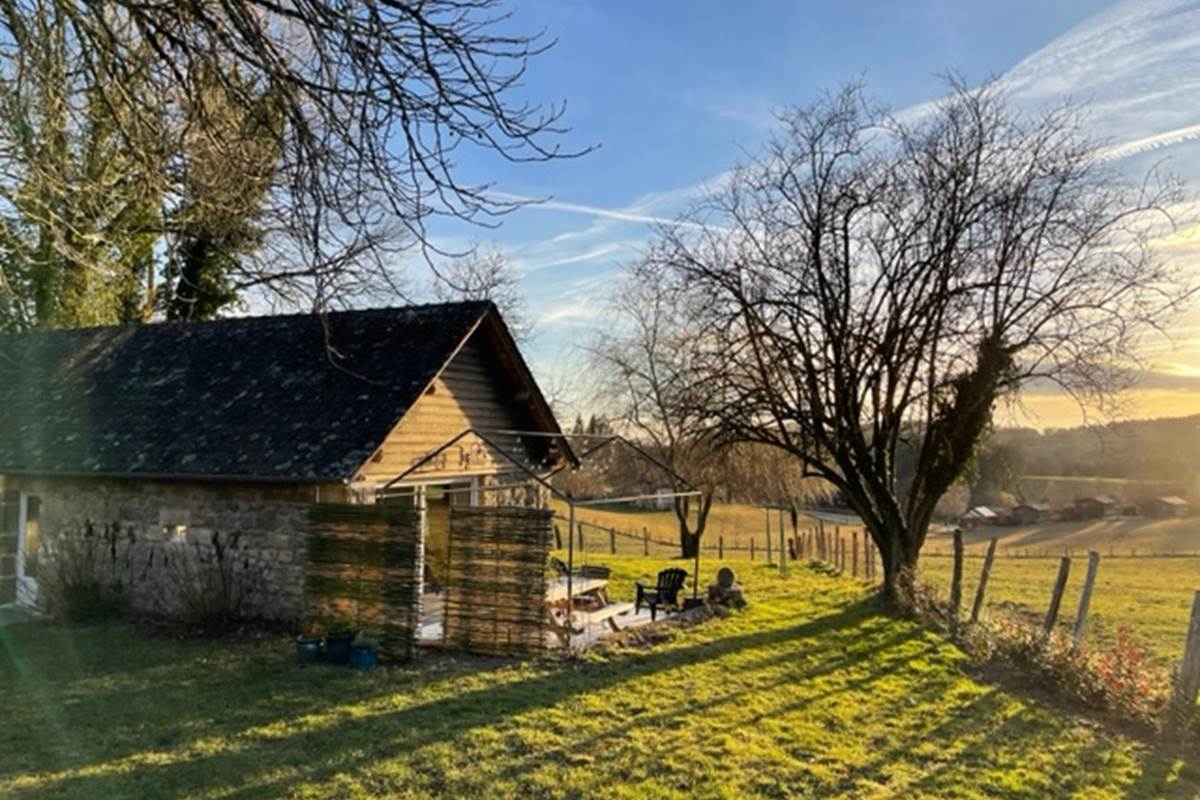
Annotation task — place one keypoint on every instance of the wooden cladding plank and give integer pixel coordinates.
(496, 593)
(469, 394)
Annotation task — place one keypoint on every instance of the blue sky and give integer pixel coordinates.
(673, 92)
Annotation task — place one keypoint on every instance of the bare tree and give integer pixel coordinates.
(642, 366)
(485, 274)
(372, 105)
(866, 281)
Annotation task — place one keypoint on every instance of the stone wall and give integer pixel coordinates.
(157, 519)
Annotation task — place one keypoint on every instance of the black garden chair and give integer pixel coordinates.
(664, 593)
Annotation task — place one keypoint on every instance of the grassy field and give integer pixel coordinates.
(811, 692)
(1120, 536)
(738, 523)
(1152, 597)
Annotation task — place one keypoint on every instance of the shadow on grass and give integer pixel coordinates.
(243, 724)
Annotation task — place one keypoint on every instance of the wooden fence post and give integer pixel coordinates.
(612, 541)
(581, 539)
(721, 547)
(822, 551)
(557, 537)
(645, 541)
(854, 555)
(767, 529)
(796, 531)
(783, 553)
(956, 579)
(983, 580)
(1060, 584)
(1188, 683)
(1085, 599)
(751, 548)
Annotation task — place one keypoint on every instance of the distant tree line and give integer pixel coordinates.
(1165, 450)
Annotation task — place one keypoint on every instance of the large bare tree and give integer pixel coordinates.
(866, 281)
(373, 106)
(485, 273)
(642, 369)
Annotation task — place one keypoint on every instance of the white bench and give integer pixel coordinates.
(608, 613)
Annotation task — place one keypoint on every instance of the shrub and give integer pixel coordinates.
(1120, 677)
(85, 575)
(211, 587)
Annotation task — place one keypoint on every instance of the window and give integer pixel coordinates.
(174, 524)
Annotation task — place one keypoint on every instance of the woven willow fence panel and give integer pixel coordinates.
(496, 594)
(363, 571)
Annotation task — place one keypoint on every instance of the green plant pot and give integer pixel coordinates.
(363, 657)
(308, 650)
(337, 647)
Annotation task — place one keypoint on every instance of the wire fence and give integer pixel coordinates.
(799, 542)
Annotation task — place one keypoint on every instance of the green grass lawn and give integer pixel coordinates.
(811, 692)
(1152, 597)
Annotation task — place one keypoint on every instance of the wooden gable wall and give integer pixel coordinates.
(473, 391)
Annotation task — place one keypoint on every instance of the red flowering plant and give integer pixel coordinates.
(1120, 676)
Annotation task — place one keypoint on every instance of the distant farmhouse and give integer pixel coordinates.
(1030, 513)
(979, 515)
(1095, 507)
(1170, 506)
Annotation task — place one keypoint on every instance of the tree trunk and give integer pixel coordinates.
(689, 538)
(689, 543)
(899, 569)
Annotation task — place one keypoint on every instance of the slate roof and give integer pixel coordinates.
(256, 397)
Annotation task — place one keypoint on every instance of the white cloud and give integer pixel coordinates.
(1136, 66)
(600, 251)
(1148, 143)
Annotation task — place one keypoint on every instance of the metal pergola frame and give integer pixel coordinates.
(485, 435)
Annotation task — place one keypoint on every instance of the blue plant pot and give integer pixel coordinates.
(308, 650)
(337, 647)
(363, 657)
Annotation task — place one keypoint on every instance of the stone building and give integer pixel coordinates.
(179, 432)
